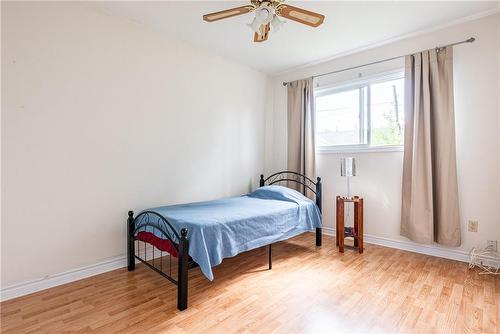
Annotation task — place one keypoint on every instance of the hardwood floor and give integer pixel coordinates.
(309, 290)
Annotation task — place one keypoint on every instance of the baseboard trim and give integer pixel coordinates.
(49, 281)
(447, 253)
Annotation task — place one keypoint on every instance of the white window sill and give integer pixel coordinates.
(358, 149)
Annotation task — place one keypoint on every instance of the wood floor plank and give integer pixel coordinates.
(309, 290)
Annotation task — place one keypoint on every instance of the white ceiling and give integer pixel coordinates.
(348, 26)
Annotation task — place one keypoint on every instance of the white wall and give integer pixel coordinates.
(477, 109)
(101, 115)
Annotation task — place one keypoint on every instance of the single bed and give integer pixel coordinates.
(204, 233)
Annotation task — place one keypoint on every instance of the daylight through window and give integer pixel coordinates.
(361, 114)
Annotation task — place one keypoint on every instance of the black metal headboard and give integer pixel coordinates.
(289, 176)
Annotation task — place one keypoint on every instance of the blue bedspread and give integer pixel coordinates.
(223, 228)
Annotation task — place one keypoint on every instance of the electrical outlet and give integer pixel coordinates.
(473, 225)
(492, 245)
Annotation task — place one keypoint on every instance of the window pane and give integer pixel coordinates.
(387, 113)
(337, 119)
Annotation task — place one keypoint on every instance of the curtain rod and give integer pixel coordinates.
(469, 40)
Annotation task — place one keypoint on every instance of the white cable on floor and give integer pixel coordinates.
(478, 256)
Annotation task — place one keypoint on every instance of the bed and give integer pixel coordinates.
(172, 239)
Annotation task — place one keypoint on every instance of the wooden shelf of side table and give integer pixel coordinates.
(358, 222)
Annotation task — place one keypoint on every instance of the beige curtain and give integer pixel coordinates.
(301, 127)
(430, 192)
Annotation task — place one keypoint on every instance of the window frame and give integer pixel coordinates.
(365, 111)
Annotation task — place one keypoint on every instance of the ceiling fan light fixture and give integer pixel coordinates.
(265, 16)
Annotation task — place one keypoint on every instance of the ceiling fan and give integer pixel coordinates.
(266, 16)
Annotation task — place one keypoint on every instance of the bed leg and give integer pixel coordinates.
(182, 282)
(270, 256)
(130, 241)
(319, 203)
(318, 236)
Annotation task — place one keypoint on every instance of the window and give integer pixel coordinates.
(361, 115)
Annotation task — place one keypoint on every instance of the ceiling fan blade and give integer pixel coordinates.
(301, 15)
(224, 14)
(264, 33)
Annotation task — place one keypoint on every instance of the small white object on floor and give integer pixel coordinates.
(477, 257)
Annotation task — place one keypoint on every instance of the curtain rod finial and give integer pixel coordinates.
(285, 84)
(470, 40)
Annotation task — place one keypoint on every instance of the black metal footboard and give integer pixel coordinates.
(174, 267)
(305, 182)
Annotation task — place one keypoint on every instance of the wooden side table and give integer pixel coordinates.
(358, 222)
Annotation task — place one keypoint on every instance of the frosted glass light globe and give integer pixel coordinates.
(276, 23)
(255, 25)
(262, 15)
